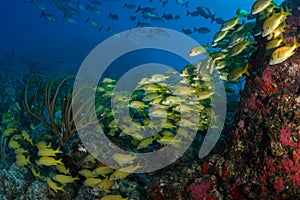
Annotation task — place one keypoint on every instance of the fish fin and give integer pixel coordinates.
(60, 161)
(76, 178)
(187, 4)
(195, 29)
(28, 159)
(138, 9)
(246, 70)
(213, 18)
(58, 150)
(187, 13)
(30, 141)
(296, 43)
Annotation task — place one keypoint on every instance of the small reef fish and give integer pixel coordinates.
(49, 17)
(283, 53)
(182, 3)
(204, 95)
(220, 36)
(238, 48)
(146, 142)
(35, 173)
(196, 51)
(21, 151)
(105, 184)
(22, 160)
(187, 31)
(103, 170)
(124, 172)
(167, 16)
(7, 132)
(123, 159)
(94, 9)
(87, 173)
(62, 169)
(229, 24)
(54, 186)
(113, 16)
(238, 73)
(49, 161)
(259, 6)
(43, 145)
(92, 182)
(64, 179)
(113, 197)
(156, 78)
(271, 23)
(49, 151)
(94, 24)
(27, 137)
(243, 13)
(275, 43)
(14, 144)
(89, 158)
(129, 6)
(202, 30)
(31, 125)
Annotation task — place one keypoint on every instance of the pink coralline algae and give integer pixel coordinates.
(293, 20)
(200, 190)
(266, 81)
(279, 185)
(296, 179)
(256, 105)
(286, 139)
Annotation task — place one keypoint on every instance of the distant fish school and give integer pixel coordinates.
(145, 16)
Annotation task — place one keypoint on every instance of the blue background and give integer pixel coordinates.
(29, 40)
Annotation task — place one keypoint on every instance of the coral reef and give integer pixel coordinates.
(260, 158)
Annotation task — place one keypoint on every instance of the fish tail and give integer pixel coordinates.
(42, 15)
(164, 15)
(187, 13)
(250, 41)
(186, 4)
(195, 29)
(164, 3)
(61, 188)
(28, 160)
(58, 150)
(125, 5)
(76, 178)
(87, 20)
(138, 9)
(246, 70)
(60, 161)
(296, 43)
(138, 23)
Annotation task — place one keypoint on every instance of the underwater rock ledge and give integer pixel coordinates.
(261, 157)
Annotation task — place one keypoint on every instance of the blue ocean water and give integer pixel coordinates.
(61, 46)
